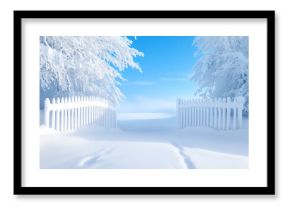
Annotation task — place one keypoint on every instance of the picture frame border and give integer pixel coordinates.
(268, 190)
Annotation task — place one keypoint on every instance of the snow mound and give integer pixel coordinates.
(70, 152)
(144, 144)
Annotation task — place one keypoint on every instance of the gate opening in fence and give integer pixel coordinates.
(221, 113)
(71, 113)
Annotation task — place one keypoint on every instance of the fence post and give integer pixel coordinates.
(214, 113)
(220, 109)
(84, 111)
(90, 110)
(53, 115)
(206, 112)
(201, 112)
(210, 113)
(77, 110)
(69, 114)
(81, 111)
(74, 114)
(228, 110)
(224, 101)
(235, 114)
(46, 112)
(87, 110)
(240, 109)
(85, 117)
(57, 114)
(64, 114)
(93, 109)
(61, 114)
(79, 106)
(194, 113)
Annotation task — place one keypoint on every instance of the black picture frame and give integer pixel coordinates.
(19, 189)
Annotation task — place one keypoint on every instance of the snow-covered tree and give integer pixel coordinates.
(84, 65)
(221, 68)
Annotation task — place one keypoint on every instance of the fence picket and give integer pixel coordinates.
(235, 118)
(70, 113)
(218, 113)
(53, 116)
(240, 114)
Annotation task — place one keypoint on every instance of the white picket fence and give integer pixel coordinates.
(71, 113)
(222, 113)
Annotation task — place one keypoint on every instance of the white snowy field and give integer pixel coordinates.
(144, 141)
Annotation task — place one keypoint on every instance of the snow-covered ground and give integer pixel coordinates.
(145, 141)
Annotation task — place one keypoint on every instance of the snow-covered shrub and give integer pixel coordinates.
(221, 69)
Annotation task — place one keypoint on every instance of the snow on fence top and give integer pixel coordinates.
(71, 102)
(219, 113)
(70, 113)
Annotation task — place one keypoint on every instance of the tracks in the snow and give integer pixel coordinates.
(189, 164)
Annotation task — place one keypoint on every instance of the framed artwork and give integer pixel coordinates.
(144, 102)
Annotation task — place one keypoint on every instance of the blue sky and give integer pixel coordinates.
(166, 67)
